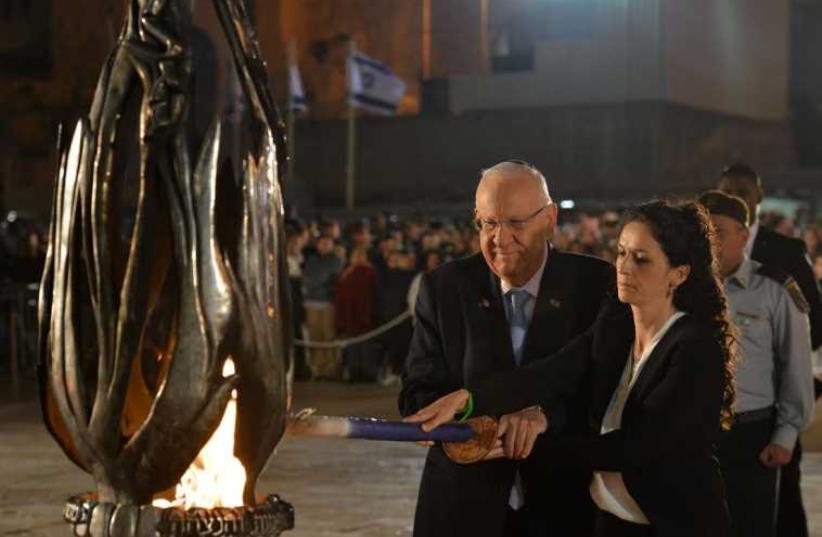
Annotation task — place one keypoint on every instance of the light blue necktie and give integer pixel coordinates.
(518, 320)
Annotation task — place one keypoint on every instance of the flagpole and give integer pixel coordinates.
(352, 134)
(291, 142)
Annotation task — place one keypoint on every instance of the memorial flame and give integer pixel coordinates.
(165, 270)
(216, 478)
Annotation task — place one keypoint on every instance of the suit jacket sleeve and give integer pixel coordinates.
(543, 381)
(678, 417)
(803, 273)
(425, 376)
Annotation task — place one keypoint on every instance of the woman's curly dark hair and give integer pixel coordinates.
(687, 236)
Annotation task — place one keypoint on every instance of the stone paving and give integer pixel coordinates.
(338, 487)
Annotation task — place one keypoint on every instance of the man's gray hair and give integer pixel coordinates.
(516, 167)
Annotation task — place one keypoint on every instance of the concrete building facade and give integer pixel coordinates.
(611, 97)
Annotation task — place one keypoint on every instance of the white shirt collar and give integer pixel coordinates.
(675, 316)
(754, 229)
(532, 285)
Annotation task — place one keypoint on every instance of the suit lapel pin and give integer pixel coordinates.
(555, 303)
(484, 303)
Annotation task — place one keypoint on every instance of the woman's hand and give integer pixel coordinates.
(519, 431)
(440, 411)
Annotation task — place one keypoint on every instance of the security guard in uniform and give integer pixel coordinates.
(774, 380)
(789, 255)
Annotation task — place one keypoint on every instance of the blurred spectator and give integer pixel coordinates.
(330, 228)
(786, 227)
(413, 231)
(361, 236)
(430, 241)
(341, 252)
(296, 239)
(813, 240)
(29, 264)
(379, 258)
(319, 277)
(392, 300)
(354, 309)
(473, 245)
(432, 260)
(379, 224)
(23, 249)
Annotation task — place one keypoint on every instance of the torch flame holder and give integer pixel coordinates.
(91, 518)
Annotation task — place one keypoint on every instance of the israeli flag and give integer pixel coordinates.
(298, 102)
(372, 86)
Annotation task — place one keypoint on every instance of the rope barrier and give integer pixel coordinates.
(342, 343)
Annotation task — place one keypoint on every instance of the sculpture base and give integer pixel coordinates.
(90, 518)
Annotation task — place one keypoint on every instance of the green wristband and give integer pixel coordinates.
(468, 409)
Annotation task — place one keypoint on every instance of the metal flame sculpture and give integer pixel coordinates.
(161, 265)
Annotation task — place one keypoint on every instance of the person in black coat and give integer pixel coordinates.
(391, 302)
(789, 255)
(660, 386)
(462, 334)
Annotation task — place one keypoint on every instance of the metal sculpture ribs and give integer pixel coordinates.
(162, 265)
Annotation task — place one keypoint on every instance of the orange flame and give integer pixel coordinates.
(216, 478)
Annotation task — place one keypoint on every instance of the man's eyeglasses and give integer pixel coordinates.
(514, 224)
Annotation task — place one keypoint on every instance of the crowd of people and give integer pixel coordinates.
(22, 249)
(348, 280)
(22, 255)
(351, 278)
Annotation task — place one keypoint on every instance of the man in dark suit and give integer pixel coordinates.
(517, 302)
(788, 255)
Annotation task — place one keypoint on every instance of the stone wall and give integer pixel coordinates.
(597, 152)
(731, 57)
(605, 151)
(32, 105)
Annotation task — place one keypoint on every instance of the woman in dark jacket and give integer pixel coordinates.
(660, 376)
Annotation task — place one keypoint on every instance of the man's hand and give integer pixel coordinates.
(496, 452)
(774, 456)
(440, 411)
(519, 431)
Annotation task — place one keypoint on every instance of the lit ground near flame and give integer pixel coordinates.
(338, 488)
